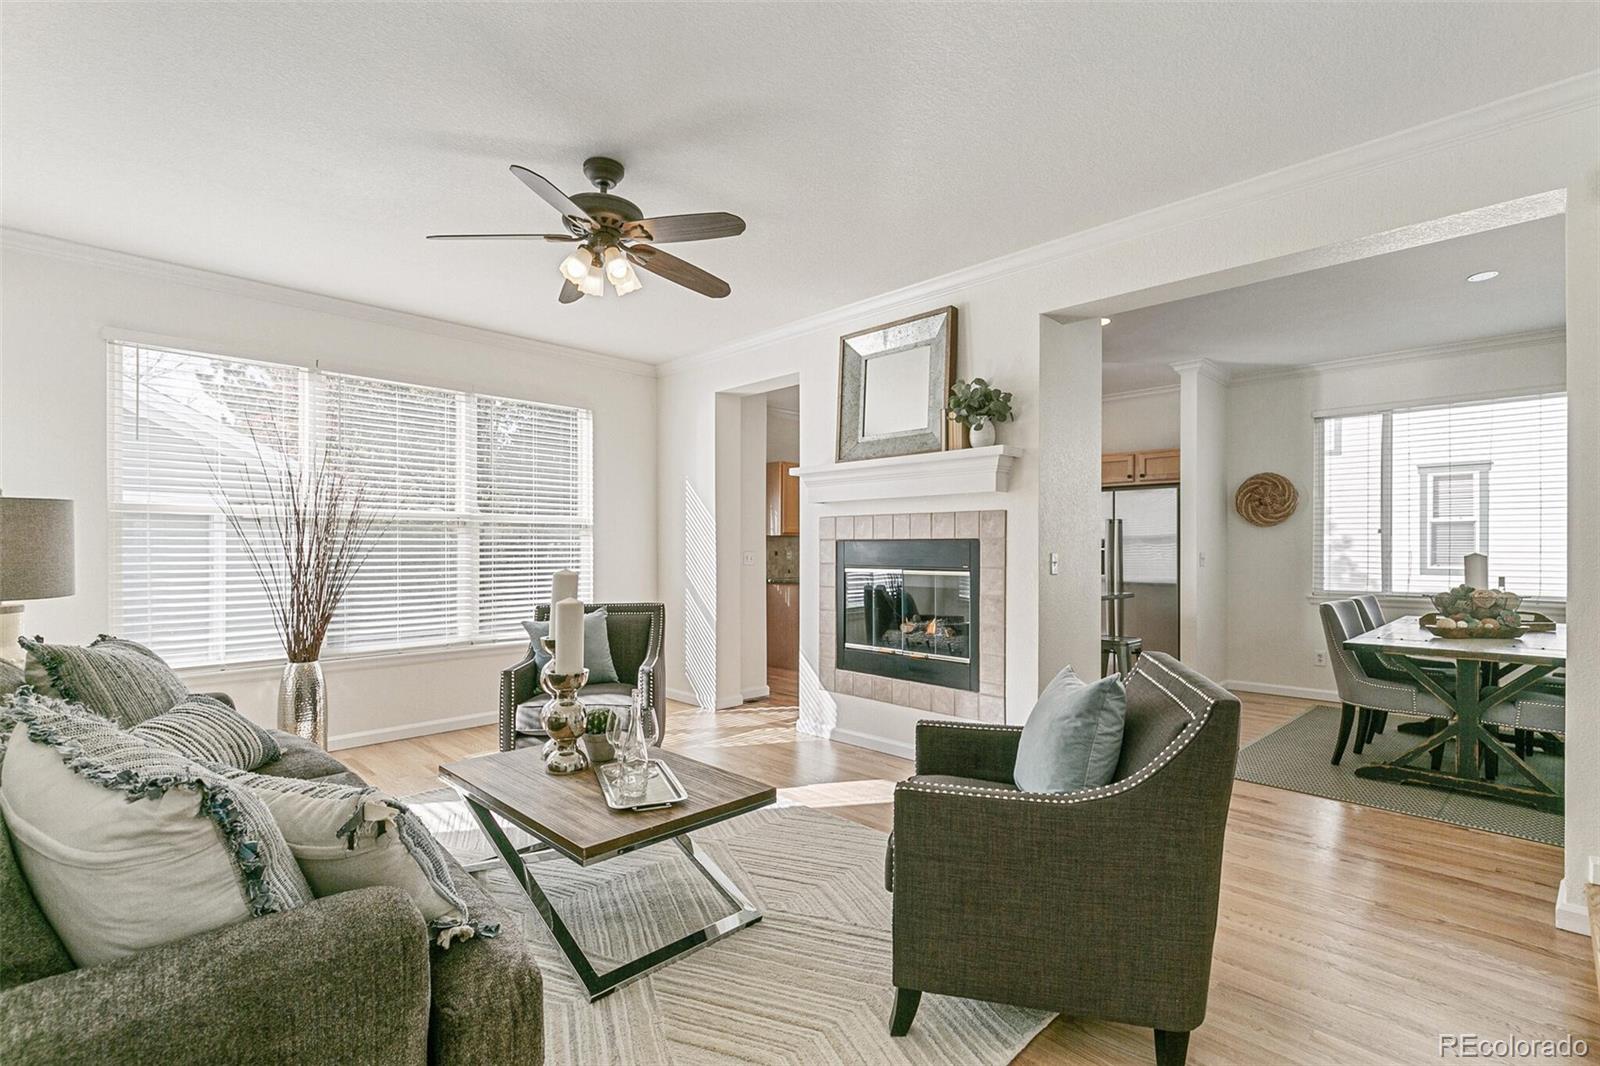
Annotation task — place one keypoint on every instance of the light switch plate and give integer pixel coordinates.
(749, 558)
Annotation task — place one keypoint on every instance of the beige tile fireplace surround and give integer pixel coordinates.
(988, 704)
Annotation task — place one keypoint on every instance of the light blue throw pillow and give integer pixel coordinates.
(596, 646)
(1074, 736)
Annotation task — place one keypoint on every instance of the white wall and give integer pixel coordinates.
(58, 298)
(1203, 572)
(755, 423)
(1143, 421)
(1273, 629)
(1518, 148)
(783, 436)
(1068, 630)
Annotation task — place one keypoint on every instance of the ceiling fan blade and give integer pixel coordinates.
(701, 227)
(553, 196)
(501, 237)
(570, 293)
(674, 269)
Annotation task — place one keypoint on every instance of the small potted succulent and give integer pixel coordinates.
(978, 405)
(595, 743)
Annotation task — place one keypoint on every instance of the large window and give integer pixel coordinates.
(481, 497)
(1403, 494)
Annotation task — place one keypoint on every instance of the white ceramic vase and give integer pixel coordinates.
(983, 434)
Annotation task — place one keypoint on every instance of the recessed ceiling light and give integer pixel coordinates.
(1105, 322)
(1484, 275)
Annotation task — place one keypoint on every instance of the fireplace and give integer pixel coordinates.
(907, 609)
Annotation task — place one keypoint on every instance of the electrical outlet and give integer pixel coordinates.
(749, 558)
(1320, 658)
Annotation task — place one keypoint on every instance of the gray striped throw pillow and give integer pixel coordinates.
(207, 730)
(120, 679)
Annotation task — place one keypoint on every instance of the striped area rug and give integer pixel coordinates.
(808, 985)
(1296, 755)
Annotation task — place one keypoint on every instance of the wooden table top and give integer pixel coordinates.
(568, 811)
(1405, 636)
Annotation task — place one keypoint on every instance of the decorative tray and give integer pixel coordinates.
(1483, 628)
(661, 789)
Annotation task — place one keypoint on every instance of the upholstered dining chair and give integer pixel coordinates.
(1098, 904)
(1371, 612)
(636, 632)
(1363, 693)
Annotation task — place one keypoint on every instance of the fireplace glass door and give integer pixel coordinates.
(913, 612)
(908, 609)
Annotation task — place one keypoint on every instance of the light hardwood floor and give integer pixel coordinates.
(1347, 934)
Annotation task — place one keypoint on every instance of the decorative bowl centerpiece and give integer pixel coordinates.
(1465, 612)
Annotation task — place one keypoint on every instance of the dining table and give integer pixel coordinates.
(1489, 672)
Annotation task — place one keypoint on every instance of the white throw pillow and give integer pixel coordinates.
(348, 836)
(127, 846)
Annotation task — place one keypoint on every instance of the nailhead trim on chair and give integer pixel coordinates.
(941, 724)
(1164, 756)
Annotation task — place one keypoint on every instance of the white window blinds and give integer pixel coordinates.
(1403, 494)
(480, 498)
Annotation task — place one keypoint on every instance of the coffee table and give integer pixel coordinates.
(568, 817)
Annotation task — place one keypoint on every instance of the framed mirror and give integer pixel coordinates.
(893, 383)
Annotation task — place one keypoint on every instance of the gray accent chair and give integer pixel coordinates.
(1098, 904)
(350, 978)
(1363, 691)
(637, 632)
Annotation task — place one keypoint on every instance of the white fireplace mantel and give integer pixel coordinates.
(960, 472)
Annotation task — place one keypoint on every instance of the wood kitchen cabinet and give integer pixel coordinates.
(1157, 467)
(783, 501)
(1118, 468)
(783, 626)
(1139, 468)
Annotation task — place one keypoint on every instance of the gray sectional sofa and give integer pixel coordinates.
(350, 978)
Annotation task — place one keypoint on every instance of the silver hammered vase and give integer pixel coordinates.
(303, 702)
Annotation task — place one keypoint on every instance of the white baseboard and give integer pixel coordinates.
(1572, 911)
(755, 692)
(874, 742)
(683, 695)
(411, 729)
(1269, 689)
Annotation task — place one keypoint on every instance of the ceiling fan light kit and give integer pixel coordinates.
(613, 236)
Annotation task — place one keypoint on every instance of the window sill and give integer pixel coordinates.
(368, 659)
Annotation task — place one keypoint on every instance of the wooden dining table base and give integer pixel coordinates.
(1472, 739)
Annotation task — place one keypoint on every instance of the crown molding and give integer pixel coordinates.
(234, 285)
(1558, 98)
(1500, 343)
(1134, 394)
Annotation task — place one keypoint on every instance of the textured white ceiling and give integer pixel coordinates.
(1411, 299)
(869, 146)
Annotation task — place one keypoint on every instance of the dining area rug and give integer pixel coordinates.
(807, 985)
(1296, 755)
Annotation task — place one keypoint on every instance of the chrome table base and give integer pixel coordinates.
(595, 983)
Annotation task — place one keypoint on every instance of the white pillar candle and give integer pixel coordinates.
(566, 622)
(563, 586)
(1477, 567)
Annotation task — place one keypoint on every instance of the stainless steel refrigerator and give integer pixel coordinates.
(1149, 564)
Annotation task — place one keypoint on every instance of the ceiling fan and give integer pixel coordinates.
(613, 236)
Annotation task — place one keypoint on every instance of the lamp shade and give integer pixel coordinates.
(35, 548)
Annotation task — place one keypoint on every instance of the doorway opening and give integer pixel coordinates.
(780, 557)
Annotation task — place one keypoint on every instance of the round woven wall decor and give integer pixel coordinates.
(1265, 499)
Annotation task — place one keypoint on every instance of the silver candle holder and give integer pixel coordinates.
(564, 718)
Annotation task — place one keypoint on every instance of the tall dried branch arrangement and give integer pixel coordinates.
(306, 530)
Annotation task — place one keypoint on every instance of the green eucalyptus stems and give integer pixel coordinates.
(978, 403)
